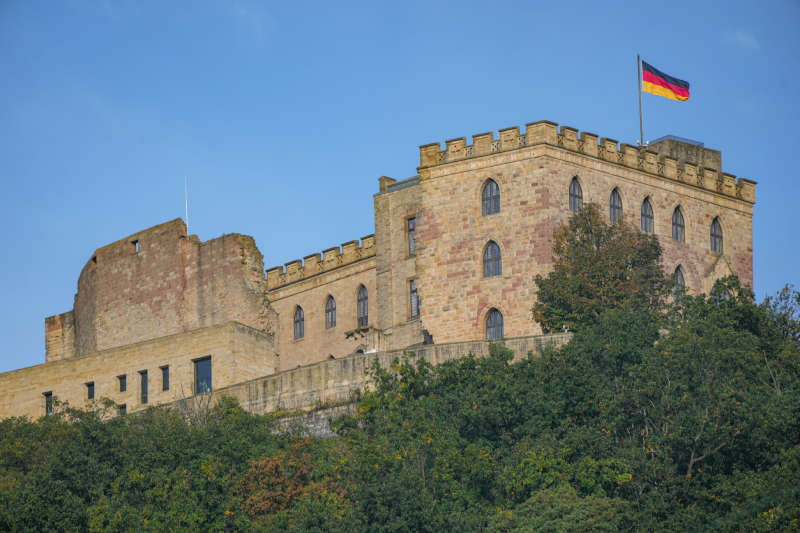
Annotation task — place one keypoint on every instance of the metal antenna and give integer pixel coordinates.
(186, 197)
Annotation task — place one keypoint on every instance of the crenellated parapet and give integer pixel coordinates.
(317, 263)
(643, 159)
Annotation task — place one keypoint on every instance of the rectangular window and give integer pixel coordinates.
(412, 226)
(202, 375)
(143, 382)
(414, 298)
(165, 377)
(122, 410)
(135, 247)
(48, 403)
(90, 390)
(123, 382)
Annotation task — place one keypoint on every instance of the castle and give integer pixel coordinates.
(160, 315)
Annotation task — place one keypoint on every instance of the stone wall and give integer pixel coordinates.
(160, 282)
(332, 382)
(308, 284)
(238, 353)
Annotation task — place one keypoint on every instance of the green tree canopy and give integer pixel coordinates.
(599, 266)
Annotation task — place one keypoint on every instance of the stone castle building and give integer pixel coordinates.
(160, 315)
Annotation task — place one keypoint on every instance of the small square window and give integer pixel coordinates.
(90, 390)
(165, 377)
(123, 382)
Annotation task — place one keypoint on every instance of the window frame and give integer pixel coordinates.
(411, 237)
(413, 299)
(490, 197)
(144, 386)
(717, 242)
(492, 324)
(299, 323)
(678, 225)
(122, 379)
(48, 403)
(196, 367)
(575, 195)
(164, 378)
(362, 306)
(330, 312)
(90, 390)
(492, 265)
(615, 210)
(648, 223)
(676, 275)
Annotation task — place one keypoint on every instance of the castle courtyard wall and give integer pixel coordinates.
(238, 353)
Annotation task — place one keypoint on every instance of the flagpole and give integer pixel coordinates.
(639, 86)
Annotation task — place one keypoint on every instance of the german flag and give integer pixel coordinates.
(656, 82)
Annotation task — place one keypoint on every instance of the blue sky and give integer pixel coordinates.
(283, 116)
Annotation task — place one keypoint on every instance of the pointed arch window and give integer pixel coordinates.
(330, 312)
(716, 236)
(678, 226)
(490, 198)
(677, 277)
(299, 323)
(647, 216)
(615, 206)
(575, 195)
(492, 262)
(363, 307)
(494, 325)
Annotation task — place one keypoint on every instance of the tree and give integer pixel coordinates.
(599, 266)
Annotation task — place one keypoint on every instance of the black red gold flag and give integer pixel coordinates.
(656, 82)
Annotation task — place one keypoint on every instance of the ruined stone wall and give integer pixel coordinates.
(338, 273)
(160, 282)
(238, 353)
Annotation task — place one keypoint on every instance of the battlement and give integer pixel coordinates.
(329, 259)
(643, 159)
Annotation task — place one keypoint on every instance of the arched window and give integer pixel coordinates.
(494, 325)
(678, 227)
(491, 198)
(492, 263)
(299, 323)
(677, 277)
(575, 195)
(615, 206)
(647, 216)
(716, 236)
(330, 312)
(363, 307)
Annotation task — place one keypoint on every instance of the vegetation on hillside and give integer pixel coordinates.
(680, 416)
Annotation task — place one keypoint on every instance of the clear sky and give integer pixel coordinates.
(284, 114)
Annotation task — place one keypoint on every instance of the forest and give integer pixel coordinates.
(666, 411)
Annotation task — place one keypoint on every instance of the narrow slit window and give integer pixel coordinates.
(299, 323)
(48, 403)
(414, 298)
(123, 382)
(165, 377)
(363, 307)
(143, 386)
(135, 246)
(90, 390)
(412, 228)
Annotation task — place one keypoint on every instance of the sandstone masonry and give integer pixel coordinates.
(301, 334)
